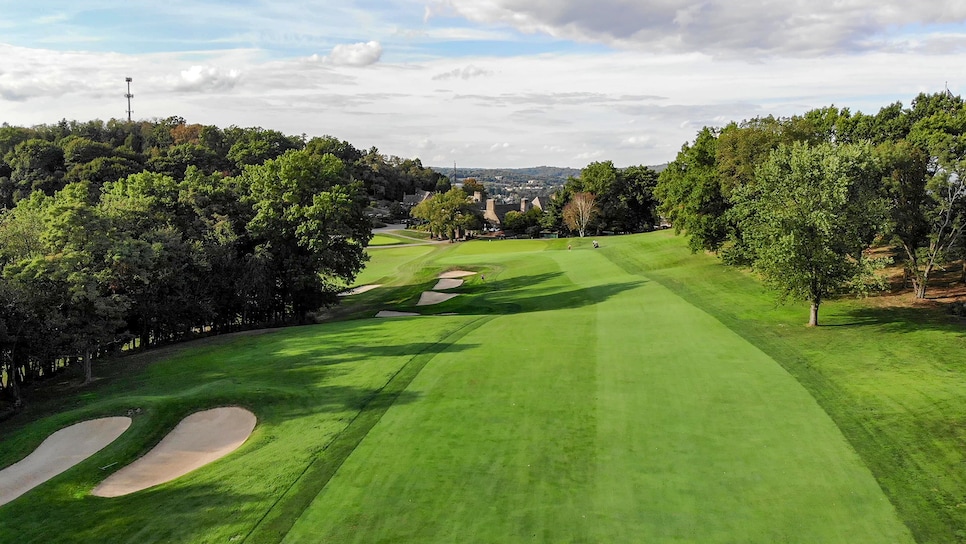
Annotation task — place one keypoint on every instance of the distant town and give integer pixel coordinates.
(512, 185)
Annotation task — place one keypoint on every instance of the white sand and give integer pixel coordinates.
(359, 290)
(199, 439)
(390, 313)
(428, 298)
(61, 451)
(455, 274)
(447, 283)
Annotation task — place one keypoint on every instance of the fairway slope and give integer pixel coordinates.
(600, 407)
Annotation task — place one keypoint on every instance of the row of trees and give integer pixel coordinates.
(802, 199)
(623, 200)
(90, 265)
(603, 198)
(48, 157)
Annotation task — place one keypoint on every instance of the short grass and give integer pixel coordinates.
(635, 393)
(391, 264)
(315, 391)
(891, 378)
(598, 406)
(412, 233)
(385, 240)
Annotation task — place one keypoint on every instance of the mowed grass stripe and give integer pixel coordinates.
(277, 521)
(890, 377)
(599, 415)
(704, 438)
(495, 451)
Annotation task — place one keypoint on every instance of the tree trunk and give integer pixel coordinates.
(88, 371)
(13, 371)
(813, 315)
(921, 282)
(15, 388)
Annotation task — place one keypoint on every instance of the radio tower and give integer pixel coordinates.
(129, 96)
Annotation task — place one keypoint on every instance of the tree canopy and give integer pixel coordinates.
(918, 153)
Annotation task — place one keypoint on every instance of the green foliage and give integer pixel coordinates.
(523, 223)
(472, 186)
(692, 197)
(309, 219)
(806, 220)
(254, 146)
(37, 165)
(446, 213)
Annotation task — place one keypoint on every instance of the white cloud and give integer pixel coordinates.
(636, 141)
(625, 106)
(718, 27)
(206, 78)
(356, 54)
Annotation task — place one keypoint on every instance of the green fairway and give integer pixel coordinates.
(635, 393)
(605, 409)
(386, 240)
(390, 263)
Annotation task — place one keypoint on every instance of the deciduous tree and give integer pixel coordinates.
(579, 212)
(805, 219)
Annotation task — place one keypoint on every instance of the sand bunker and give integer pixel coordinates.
(62, 450)
(447, 283)
(199, 439)
(359, 290)
(455, 274)
(390, 313)
(428, 298)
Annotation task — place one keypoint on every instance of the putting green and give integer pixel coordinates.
(604, 408)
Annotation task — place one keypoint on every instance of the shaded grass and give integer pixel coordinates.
(305, 385)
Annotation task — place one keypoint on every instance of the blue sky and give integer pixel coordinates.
(488, 83)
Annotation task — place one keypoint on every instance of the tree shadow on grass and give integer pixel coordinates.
(902, 319)
(530, 297)
(185, 513)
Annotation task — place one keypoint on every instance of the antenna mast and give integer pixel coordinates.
(129, 96)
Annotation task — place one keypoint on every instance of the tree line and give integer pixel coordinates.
(610, 199)
(803, 199)
(137, 234)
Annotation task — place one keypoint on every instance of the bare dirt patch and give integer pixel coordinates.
(61, 451)
(197, 440)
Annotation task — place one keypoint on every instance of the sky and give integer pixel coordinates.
(482, 83)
